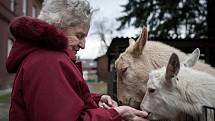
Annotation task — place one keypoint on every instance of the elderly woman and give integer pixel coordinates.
(48, 85)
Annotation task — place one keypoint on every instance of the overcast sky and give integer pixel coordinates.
(108, 10)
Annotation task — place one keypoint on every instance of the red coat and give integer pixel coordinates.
(48, 85)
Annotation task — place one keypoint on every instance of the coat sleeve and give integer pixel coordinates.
(50, 94)
(96, 97)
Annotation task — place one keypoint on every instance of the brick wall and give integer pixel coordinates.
(6, 15)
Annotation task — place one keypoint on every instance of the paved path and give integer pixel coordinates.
(4, 108)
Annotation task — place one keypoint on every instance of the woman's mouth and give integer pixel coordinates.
(75, 52)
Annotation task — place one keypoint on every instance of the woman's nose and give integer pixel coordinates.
(82, 44)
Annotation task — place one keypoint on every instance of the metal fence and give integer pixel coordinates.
(208, 115)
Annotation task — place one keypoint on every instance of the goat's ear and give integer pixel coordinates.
(140, 43)
(131, 41)
(173, 67)
(193, 58)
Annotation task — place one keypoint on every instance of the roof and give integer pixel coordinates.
(119, 44)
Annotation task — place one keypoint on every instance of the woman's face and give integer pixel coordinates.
(76, 36)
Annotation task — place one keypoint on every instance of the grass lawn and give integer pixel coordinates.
(4, 106)
(5, 98)
(98, 87)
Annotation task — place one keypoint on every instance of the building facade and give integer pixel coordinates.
(102, 69)
(89, 70)
(8, 10)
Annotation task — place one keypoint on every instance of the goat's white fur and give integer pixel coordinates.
(186, 92)
(137, 61)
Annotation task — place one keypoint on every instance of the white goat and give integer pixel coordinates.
(178, 89)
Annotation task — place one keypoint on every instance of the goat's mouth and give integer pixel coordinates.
(150, 117)
(133, 103)
(130, 102)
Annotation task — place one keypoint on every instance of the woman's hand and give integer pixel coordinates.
(126, 113)
(130, 114)
(107, 102)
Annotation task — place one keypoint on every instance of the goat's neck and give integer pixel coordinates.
(195, 90)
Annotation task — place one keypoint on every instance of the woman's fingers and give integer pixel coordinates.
(106, 106)
(100, 105)
(109, 101)
(141, 113)
(114, 104)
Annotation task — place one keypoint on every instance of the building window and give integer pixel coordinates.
(12, 5)
(24, 7)
(34, 12)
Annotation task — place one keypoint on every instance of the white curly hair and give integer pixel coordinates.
(66, 13)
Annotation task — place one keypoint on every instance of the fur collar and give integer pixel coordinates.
(38, 32)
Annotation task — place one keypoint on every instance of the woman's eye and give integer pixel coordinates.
(79, 36)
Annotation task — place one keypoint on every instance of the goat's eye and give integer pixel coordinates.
(123, 70)
(151, 90)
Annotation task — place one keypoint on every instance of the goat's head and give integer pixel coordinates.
(162, 96)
